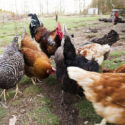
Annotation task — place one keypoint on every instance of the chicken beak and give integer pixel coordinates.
(51, 71)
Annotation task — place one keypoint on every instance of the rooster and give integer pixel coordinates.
(66, 56)
(49, 40)
(106, 92)
(37, 64)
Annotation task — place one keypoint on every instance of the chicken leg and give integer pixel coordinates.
(34, 83)
(103, 122)
(62, 97)
(17, 91)
(4, 92)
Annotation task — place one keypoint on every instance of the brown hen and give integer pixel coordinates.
(37, 64)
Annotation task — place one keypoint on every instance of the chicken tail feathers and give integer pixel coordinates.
(69, 51)
(35, 23)
(34, 18)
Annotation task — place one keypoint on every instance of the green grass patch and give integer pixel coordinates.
(51, 80)
(32, 90)
(16, 102)
(3, 113)
(9, 29)
(1, 51)
(87, 112)
(25, 80)
(113, 64)
(42, 114)
(117, 54)
(11, 93)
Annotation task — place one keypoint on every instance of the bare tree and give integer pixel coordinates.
(47, 6)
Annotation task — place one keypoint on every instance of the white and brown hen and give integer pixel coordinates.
(106, 91)
(95, 51)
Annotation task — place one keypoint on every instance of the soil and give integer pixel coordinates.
(66, 112)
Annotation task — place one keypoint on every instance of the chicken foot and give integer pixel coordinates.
(4, 92)
(34, 83)
(17, 91)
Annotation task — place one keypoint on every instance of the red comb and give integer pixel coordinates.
(59, 26)
(59, 31)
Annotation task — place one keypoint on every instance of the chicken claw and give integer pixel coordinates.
(17, 91)
(4, 92)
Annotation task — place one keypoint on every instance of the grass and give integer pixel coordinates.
(115, 62)
(16, 102)
(1, 51)
(42, 113)
(24, 80)
(10, 29)
(111, 64)
(3, 113)
(51, 80)
(117, 54)
(32, 90)
(87, 112)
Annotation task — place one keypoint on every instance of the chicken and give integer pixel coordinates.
(109, 38)
(66, 56)
(121, 69)
(116, 18)
(49, 40)
(95, 51)
(11, 67)
(37, 64)
(106, 92)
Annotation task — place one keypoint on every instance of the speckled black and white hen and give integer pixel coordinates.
(11, 67)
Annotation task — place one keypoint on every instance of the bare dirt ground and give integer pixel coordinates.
(67, 113)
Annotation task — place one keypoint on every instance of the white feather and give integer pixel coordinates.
(83, 77)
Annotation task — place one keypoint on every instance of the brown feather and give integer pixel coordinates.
(106, 92)
(36, 62)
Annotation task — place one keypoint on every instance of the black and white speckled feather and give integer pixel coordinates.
(11, 65)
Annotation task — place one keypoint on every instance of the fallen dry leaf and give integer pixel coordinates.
(13, 120)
